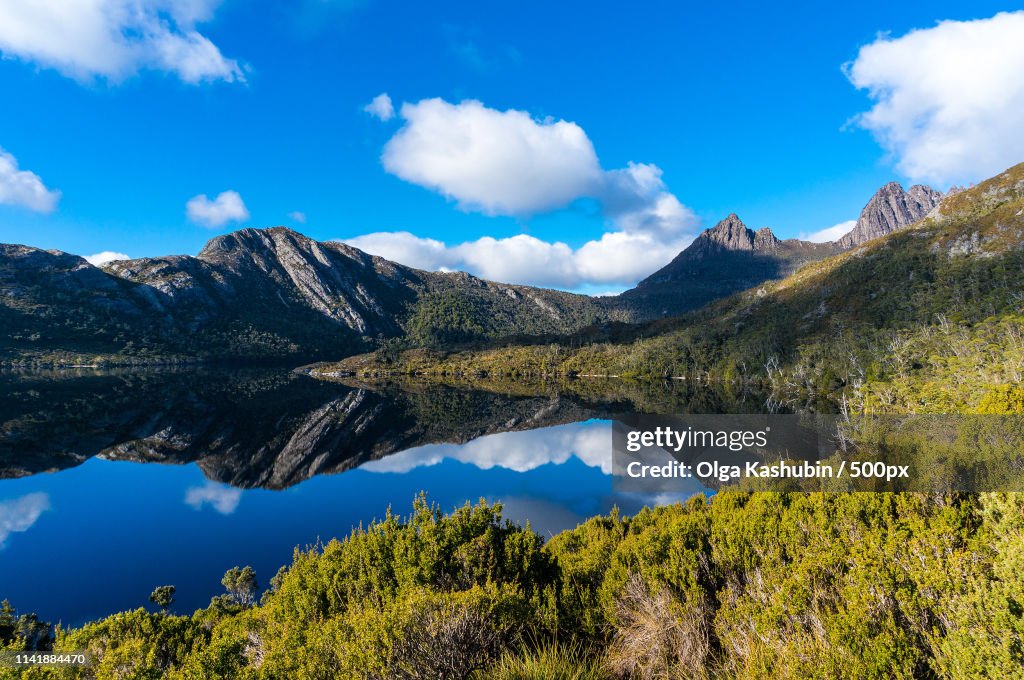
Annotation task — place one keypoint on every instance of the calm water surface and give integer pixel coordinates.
(113, 484)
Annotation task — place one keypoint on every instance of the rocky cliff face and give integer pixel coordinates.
(261, 272)
(732, 235)
(891, 209)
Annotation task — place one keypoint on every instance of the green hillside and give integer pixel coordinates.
(930, 318)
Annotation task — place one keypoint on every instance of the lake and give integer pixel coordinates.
(114, 483)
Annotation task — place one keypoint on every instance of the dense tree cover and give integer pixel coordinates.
(476, 311)
(747, 585)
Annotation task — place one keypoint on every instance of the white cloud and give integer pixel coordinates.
(495, 162)
(408, 249)
(115, 39)
(510, 258)
(625, 257)
(227, 207)
(381, 107)
(947, 99)
(591, 442)
(833, 233)
(636, 200)
(298, 216)
(19, 514)
(223, 499)
(105, 257)
(615, 258)
(23, 188)
(509, 163)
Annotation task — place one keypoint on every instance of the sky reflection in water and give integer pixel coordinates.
(97, 538)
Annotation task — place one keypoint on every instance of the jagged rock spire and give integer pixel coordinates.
(891, 209)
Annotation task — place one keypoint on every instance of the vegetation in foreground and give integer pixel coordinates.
(747, 585)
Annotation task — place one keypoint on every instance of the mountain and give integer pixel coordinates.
(731, 257)
(928, 318)
(889, 210)
(723, 260)
(274, 294)
(257, 293)
(257, 272)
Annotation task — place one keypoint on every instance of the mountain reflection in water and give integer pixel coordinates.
(267, 446)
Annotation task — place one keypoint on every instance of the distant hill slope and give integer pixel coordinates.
(730, 257)
(256, 293)
(927, 318)
(721, 261)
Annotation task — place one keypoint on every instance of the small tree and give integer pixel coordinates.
(8, 623)
(25, 632)
(241, 585)
(163, 597)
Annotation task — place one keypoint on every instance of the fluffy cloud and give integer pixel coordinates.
(381, 107)
(223, 499)
(19, 514)
(496, 162)
(227, 207)
(23, 188)
(947, 99)
(105, 257)
(833, 233)
(636, 200)
(409, 249)
(509, 163)
(518, 451)
(115, 38)
(617, 258)
(298, 216)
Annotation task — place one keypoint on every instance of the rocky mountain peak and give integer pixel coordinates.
(890, 209)
(732, 235)
(252, 241)
(765, 240)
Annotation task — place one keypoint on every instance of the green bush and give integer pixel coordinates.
(746, 585)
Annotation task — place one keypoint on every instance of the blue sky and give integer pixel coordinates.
(743, 107)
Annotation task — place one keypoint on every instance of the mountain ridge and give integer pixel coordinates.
(257, 293)
(927, 318)
(722, 260)
(730, 257)
(274, 293)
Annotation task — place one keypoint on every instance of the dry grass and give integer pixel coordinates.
(659, 636)
(555, 661)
